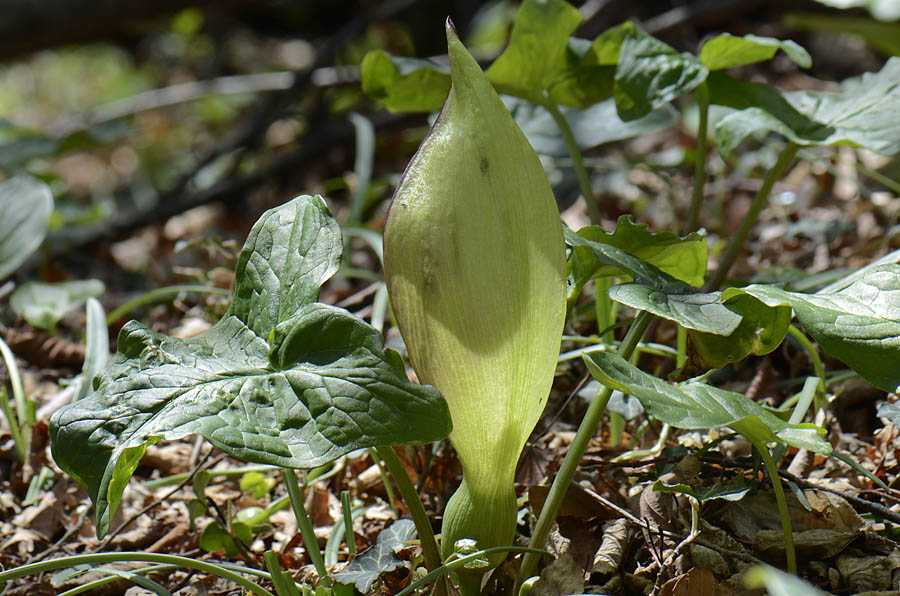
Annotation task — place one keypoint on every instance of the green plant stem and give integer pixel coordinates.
(347, 510)
(430, 550)
(605, 308)
(654, 450)
(702, 93)
(306, 528)
(462, 561)
(576, 451)
(879, 177)
(736, 244)
(21, 447)
(158, 293)
(388, 487)
(816, 362)
(681, 356)
(581, 173)
(790, 552)
(102, 558)
(19, 427)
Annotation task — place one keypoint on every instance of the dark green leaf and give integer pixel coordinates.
(404, 84)
(536, 54)
(727, 51)
(593, 126)
(650, 74)
(859, 325)
(214, 538)
(863, 114)
(699, 406)
(681, 258)
(761, 330)
(44, 304)
(279, 380)
(26, 204)
(719, 331)
(365, 569)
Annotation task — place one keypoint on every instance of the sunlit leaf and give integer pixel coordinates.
(859, 325)
(700, 406)
(675, 257)
(536, 54)
(404, 84)
(728, 51)
(862, 114)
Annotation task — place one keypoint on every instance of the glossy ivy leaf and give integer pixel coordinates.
(859, 325)
(44, 304)
(279, 380)
(593, 126)
(536, 54)
(650, 74)
(862, 114)
(26, 204)
(365, 569)
(728, 51)
(675, 257)
(700, 406)
(404, 84)
(719, 331)
(761, 330)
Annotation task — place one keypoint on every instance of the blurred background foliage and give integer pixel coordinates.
(136, 114)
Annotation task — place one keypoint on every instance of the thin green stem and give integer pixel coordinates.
(878, 177)
(306, 528)
(347, 510)
(463, 561)
(581, 173)
(816, 362)
(736, 244)
(576, 451)
(385, 480)
(19, 442)
(19, 427)
(783, 511)
(102, 558)
(158, 293)
(702, 93)
(414, 504)
(681, 356)
(111, 578)
(640, 453)
(605, 309)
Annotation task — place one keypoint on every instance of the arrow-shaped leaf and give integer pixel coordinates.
(279, 380)
(859, 325)
(700, 406)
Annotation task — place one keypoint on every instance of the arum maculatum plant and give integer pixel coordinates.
(475, 267)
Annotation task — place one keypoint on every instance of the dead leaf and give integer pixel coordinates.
(699, 581)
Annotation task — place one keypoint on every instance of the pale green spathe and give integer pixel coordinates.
(475, 266)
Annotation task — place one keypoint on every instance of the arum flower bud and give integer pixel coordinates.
(475, 267)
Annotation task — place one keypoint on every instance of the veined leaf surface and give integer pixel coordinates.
(280, 379)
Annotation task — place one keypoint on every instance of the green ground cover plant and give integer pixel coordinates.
(483, 279)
